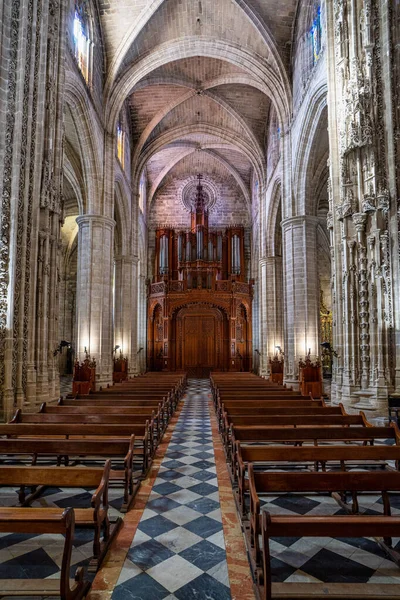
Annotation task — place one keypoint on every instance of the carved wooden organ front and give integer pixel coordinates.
(199, 286)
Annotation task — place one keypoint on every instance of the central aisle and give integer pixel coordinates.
(179, 550)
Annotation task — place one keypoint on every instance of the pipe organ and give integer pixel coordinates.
(200, 279)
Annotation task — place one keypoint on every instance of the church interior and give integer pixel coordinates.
(199, 268)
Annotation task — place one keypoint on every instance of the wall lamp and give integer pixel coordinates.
(62, 344)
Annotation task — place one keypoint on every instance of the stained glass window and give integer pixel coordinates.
(121, 144)
(316, 34)
(81, 40)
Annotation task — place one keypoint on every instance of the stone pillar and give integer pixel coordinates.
(274, 303)
(94, 301)
(301, 292)
(263, 327)
(142, 322)
(124, 315)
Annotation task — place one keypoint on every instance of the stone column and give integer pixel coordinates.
(274, 303)
(142, 322)
(263, 327)
(123, 307)
(94, 300)
(300, 292)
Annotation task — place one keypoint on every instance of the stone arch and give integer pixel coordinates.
(272, 223)
(311, 128)
(193, 46)
(76, 99)
(122, 217)
(178, 132)
(74, 176)
(148, 13)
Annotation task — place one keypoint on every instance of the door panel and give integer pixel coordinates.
(199, 341)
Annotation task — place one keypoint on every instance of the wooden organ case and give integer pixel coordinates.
(199, 305)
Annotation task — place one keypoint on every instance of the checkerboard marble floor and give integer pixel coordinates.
(178, 551)
(329, 560)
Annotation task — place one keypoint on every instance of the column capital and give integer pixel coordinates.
(126, 258)
(262, 261)
(95, 220)
(299, 220)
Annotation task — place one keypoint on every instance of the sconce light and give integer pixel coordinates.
(279, 350)
(327, 346)
(257, 351)
(62, 344)
(115, 349)
(140, 349)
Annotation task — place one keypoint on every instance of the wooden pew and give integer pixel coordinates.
(284, 421)
(317, 482)
(167, 409)
(383, 526)
(90, 477)
(256, 405)
(143, 450)
(278, 457)
(77, 451)
(111, 414)
(41, 521)
(314, 435)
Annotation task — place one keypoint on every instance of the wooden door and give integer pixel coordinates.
(199, 341)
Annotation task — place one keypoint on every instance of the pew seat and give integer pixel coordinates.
(44, 521)
(96, 516)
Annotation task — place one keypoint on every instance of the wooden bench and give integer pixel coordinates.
(317, 482)
(144, 450)
(41, 521)
(154, 423)
(77, 451)
(342, 457)
(82, 477)
(314, 435)
(257, 405)
(166, 409)
(285, 421)
(383, 526)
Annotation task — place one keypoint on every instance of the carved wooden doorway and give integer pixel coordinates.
(201, 343)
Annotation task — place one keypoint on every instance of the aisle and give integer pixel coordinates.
(179, 550)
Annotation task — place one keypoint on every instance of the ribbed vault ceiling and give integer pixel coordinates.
(199, 113)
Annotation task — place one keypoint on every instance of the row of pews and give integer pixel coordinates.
(108, 438)
(277, 441)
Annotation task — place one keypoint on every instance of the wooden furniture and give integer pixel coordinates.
(310, 378)
(293, 421)
(95, 516)
(144, 449)
(383, 526)
(276, 370)
(185, 330)
(339, 457)
(84, 380)
(121, 451)
(394, 407)
(41, 521)
(120, 372)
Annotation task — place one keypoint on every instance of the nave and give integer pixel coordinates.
(182, 537)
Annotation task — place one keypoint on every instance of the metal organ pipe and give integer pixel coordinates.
(219, 247)
(180, 247)
(200, 238)
(163, 255)
(235, 255)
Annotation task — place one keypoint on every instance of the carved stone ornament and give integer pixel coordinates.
(360, 220)
(383, 200)
(329, 220)
(368, 203)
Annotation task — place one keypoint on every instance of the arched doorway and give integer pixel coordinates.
(201, 339)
